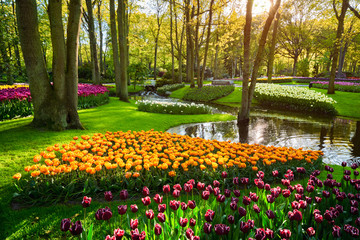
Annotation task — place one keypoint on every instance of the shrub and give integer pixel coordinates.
(207, 93)
(339, 86)
(294, 98)
(169, 88)
(172, 107)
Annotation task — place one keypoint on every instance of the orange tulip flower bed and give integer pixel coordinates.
(117, 160)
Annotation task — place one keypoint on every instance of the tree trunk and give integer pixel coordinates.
(171, 41)
(344, 7)
(55, 106)
(155, 54)
(207, 41)
(101, 38)
(216, 58)
(249, 91)
(40, 88)
(189, 47)
(243, 115)
(296, 57)
(272, 48)
(123, 49)
(94, 57)
(197, 46)
(72, 50)
(115, 47)
(260, 51)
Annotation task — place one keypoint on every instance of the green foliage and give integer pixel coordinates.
(85, 71)
(93, 100)
(172, 108)
(303, 68)
(10, 109)
(207, 93)
(294, 98)
(169, 88)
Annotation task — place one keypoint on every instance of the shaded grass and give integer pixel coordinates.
(348, 103)
(20, 142)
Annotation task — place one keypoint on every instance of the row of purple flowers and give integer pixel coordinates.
(337, 83)
(23, 93)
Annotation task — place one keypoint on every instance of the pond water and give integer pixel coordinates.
(338, 138)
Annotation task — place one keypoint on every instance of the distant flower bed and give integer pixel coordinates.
(13, 86)
(118, 160)
(294, 98)
(339, 86)
(15, 101)
(169, 88)
(311, 79)
(275, 79)
(207, 93)
(172, 107)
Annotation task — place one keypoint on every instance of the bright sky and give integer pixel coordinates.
(261, 6)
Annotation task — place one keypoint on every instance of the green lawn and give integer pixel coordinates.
(20, 142)
(348, 103)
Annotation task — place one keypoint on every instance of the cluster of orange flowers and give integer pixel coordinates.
(133, 153)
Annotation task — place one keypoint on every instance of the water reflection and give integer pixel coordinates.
(339, 139)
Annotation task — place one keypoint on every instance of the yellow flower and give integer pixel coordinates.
(17, 176)
(172, 173)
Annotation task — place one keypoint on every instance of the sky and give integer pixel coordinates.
(259, 7)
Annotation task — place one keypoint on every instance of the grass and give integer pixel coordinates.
(347, 104)
(20, 142)
(180, 92)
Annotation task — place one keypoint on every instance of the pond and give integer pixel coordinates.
(338, 138)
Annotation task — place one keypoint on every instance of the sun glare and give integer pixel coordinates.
(261, 6)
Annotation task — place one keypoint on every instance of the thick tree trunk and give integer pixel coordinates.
(59, 56)
(243, 115)
(344, 7)
(207, 41)
(40, 88)
(101, 38)
(55, 106)
(72, 50)
(272, 48)
(94, 57)
(115, 47)
(122, 4)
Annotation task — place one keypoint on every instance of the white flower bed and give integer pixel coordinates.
(295, 98)
(172, 107)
